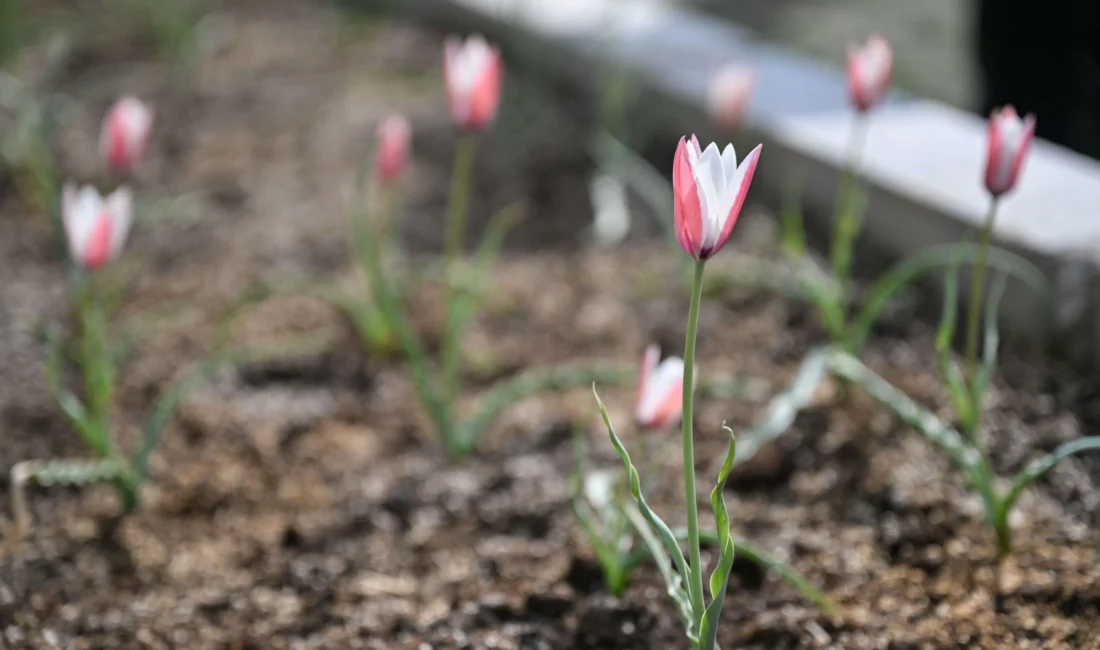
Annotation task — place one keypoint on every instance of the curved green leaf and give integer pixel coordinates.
(1038, 468)
(989, 351)
(507, 392)
(928, 260)
(945, 335)
(719, 578)
(654, 549)
(668, 540)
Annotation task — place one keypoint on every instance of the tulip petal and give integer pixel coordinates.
(740, 189)
(120, 207)
(687, 206)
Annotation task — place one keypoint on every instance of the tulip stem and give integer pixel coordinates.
(457, 211)
(695, 584)
(846, 217)
(977, 288)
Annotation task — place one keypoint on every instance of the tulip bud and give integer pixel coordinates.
(124, 136)
(471, 72)
(709, 189)
(869, 70)
(729, 95)
(660, 390)
(392, 155)
(95, 228)
(1009, 140)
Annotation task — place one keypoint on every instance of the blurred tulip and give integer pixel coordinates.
(392, 156)
(660, 390)
(709, 189)
(95, 228)
(729, 95)
(472, 71)
(125, 134)
(1009, 141)
(869, 70)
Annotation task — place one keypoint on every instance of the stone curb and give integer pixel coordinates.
(922, 163)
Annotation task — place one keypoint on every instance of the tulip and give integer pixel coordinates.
(660, 390)
(392, 157)
(95, 228)
(869, 69)
(1009, 140)
(125, 134)
(729, 95)
(471, 72)
(709, 190)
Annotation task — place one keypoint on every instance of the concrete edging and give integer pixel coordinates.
(922, 163)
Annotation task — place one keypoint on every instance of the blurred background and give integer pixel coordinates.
(1042, 56)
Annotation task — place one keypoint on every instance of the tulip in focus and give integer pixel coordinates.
(392, 158)
(125, 134)
(1009, 141)
(96, 228)
(869, 70)
(709, 188)
(471, 72)
(660, 390)
(729, 95)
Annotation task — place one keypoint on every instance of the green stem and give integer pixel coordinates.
(846, 218)
(695, 584)
(95, 364)
(457, 211)
(977, 288)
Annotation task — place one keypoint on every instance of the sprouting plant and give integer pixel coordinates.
(709, 188)
(95, 229)
(601, 499)
(1009, 139)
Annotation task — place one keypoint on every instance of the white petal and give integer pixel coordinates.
(663, 379)
(120, 205)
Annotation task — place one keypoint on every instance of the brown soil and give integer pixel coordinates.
(304, 503)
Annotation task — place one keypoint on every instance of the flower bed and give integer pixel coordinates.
(302, 498)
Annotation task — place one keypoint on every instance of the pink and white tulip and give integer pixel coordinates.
(660, 390)
(709, 189)
(1009, 141)
(124, 136)
(96, 228)
(729, 95)
(472, 72)
(392, 157)
(869, 71)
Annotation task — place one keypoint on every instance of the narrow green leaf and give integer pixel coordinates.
(945, 336)
(791, 224)
(719, 578)
(673, 581)
(924, 421)
(668, 540)
(163, 411)
(990, 345)
(468, 297)
(507, 392)
(1038, 468)
(930, 259)
(784, 407)
(70, 404)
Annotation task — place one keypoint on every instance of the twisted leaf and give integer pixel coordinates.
(719, 578)
(668, 540)
(784, 407)
(54, 472)
(163, 410)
